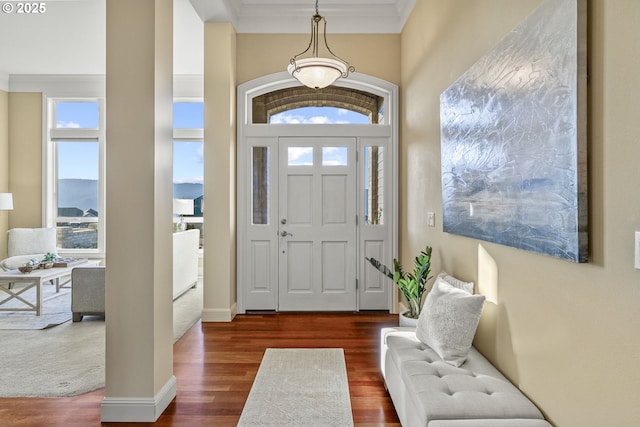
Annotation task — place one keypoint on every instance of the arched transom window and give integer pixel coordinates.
(269, 105)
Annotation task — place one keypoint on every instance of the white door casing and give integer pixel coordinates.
(268, 279)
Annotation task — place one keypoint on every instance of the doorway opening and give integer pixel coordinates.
(317, 191)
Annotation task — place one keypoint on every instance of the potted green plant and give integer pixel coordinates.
(412, 284)
(48, 260)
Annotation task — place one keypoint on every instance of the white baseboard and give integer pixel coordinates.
(219, 314)
(138, 409)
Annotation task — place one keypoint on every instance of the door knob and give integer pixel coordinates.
(285, 234)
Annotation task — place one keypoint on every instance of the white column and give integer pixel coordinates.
(4, 168)
(219, 302)
(139, 310)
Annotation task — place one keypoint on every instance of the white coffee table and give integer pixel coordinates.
(14, 284)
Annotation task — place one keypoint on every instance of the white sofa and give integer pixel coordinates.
(24, 244)
(426, 391)
(89, 282)
(186, 249)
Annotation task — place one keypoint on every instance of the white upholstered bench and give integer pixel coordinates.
(426, 391)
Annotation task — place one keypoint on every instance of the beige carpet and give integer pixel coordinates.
(299, 387)
(55, 310)
(68, 359)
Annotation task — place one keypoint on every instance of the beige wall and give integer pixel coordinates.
(21, 160)
(565, 333)
(4, 168)
(25, 159)
(373, 54)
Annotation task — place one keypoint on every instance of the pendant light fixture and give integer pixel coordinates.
(317, 72)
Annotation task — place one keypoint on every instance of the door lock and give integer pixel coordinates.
(283, 221)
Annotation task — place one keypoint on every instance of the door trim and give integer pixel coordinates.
(246, 131)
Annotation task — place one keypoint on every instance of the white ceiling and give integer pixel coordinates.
(69, 38)
(293, 16)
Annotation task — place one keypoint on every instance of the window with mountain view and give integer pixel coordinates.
(74, 196)
(188, 165)
(75, 151)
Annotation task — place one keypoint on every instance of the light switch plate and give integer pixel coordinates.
(637, 247)
(431, 219)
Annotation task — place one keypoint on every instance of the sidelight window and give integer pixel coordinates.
(261, 187)
(374, 185)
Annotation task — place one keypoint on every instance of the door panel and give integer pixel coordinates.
(261, 268)
(299, 278)
(374, 282)
(334, 200)
(299, 203)
(317, 257)
(335, 271)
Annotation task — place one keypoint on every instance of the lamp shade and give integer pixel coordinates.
(183, 206)
(317, 73)
(6, 201)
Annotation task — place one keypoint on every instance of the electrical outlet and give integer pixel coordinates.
(637, 247)
(431, 219)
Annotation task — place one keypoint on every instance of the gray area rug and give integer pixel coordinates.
(299, 387)
(68, 359)
(55, 310)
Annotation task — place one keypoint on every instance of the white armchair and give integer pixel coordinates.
(24, 244)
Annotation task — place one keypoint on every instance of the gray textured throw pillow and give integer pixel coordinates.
(448, 321)
(456, 283)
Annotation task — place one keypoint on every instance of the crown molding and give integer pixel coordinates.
(81, 85)
(59, 85)
(293, 16)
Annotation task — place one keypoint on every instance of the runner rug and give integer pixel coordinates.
(299, 387)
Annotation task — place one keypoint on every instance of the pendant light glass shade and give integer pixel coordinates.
(317, 72)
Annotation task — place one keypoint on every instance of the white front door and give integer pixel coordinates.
(317, 225)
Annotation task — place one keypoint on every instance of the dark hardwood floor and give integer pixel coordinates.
(215, 364)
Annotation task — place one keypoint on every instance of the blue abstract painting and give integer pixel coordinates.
(513, 135)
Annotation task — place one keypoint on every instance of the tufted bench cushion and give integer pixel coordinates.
(429, 392)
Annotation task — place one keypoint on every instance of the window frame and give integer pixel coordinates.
(50, 185)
